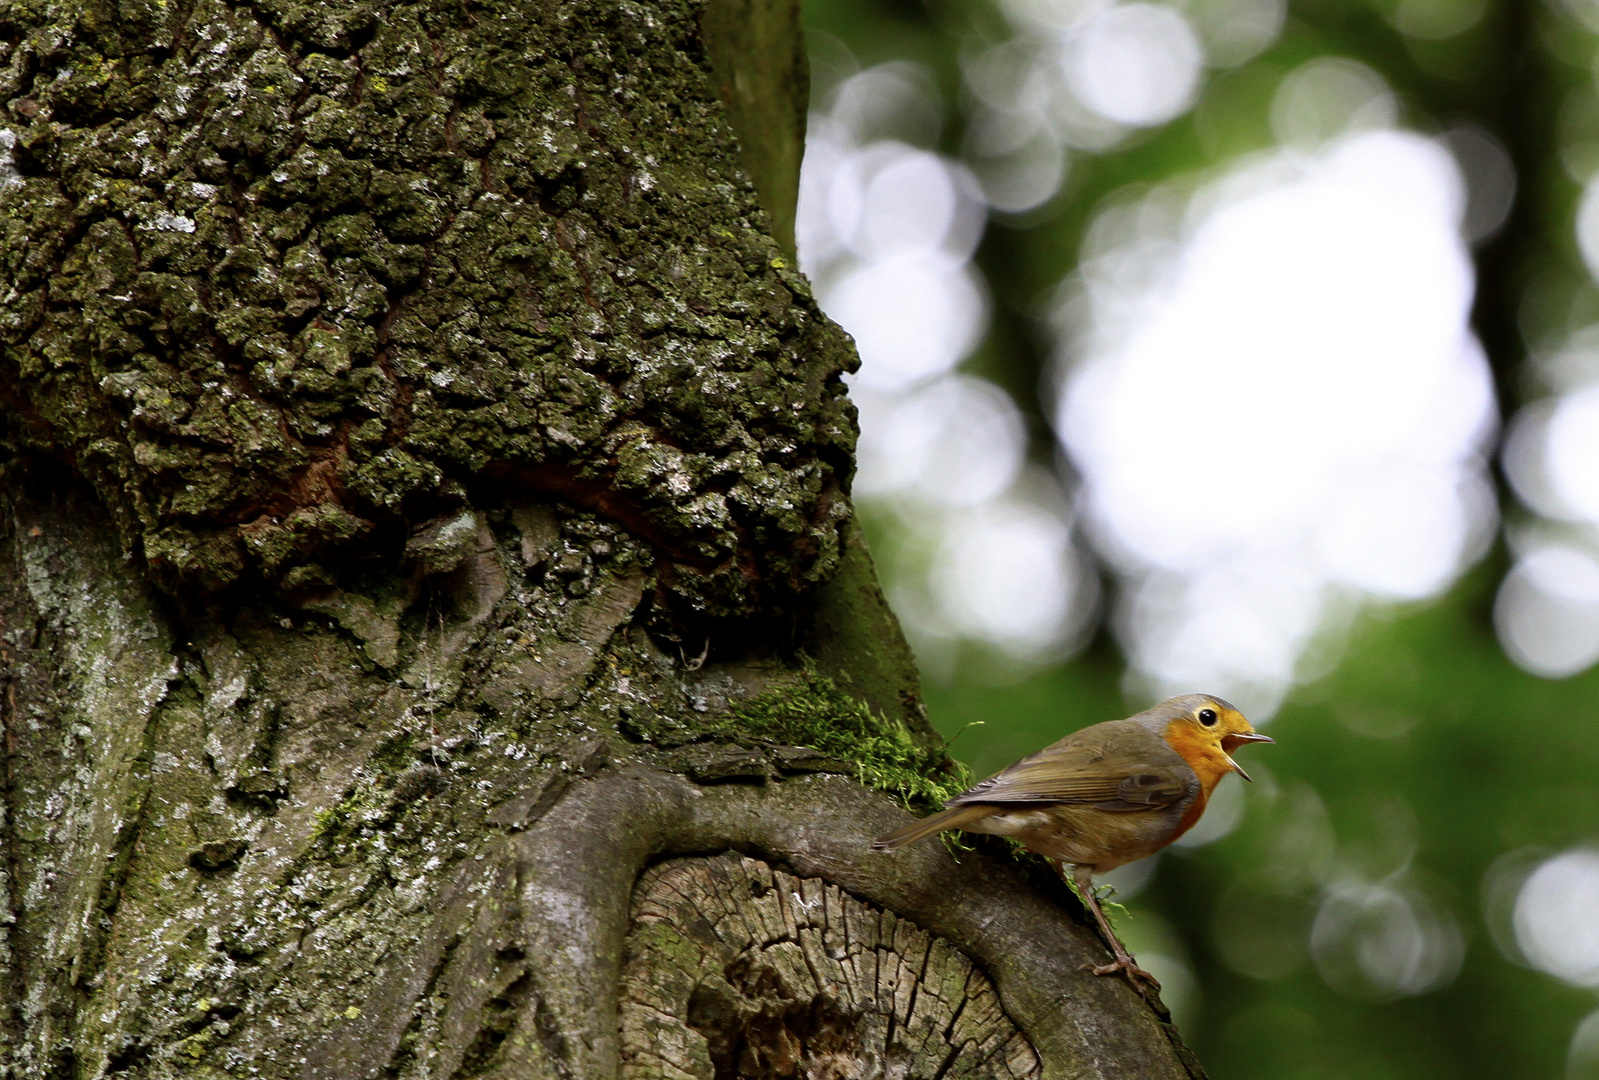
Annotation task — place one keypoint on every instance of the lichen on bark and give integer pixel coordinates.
(282, 279)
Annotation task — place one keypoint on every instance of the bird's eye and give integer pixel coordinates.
(1207, 717)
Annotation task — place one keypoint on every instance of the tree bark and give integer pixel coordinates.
(425, 511)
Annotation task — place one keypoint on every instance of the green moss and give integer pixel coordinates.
(342, 823)
(331, 820)
(815, 712)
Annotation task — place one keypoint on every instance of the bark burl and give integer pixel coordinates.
(426, 560)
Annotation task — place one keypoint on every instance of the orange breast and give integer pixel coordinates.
(1206, 757)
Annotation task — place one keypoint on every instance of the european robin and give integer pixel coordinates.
(1104, 796)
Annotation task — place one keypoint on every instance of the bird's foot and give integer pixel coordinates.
(1124, 964)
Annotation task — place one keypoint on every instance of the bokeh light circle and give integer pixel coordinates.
(1136, 64)
(1023, 596)
(1384, 941)
(1236, 31)
(911, 318)
(1572, 450)
(983, 548)
(1328, 97)
(1557, 917)
(957, 442)
(1547, 611)
(1588, 226)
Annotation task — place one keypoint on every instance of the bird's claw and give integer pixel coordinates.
(1134, 973)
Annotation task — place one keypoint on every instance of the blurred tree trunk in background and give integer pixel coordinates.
(426, 508)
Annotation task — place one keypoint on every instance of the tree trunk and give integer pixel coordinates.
(425, 513)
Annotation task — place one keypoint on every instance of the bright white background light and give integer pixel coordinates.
(886, 231)
(1008, 573)
(1588, 227)
(1137, 64)
(1083, 76)
(1547, 611)
(911, 318)
(1572, 453)
(1276, 400)
(1557, 917)
(957, 441)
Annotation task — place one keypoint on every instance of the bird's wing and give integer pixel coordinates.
(1121, 770)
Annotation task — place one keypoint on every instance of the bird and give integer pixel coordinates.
(1104, 796)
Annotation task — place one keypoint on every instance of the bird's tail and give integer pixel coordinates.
(953, 818)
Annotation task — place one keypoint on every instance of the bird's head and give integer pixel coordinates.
(1206, 731)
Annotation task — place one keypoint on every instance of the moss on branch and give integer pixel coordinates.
(884, 754)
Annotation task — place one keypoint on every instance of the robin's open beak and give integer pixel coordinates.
(1233, 742)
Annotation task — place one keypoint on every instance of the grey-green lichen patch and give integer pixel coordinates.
(280, 280)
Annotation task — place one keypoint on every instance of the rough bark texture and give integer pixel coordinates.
(423, 506)
(277, 276)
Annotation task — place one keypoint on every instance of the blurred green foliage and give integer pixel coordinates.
(1423, 730)
(1489, 758)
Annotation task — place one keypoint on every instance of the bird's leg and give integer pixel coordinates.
(1083, 877)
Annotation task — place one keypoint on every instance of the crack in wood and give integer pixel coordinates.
(735, 970)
